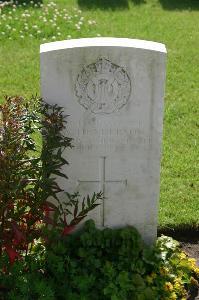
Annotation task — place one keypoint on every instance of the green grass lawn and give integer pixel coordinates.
(172, 22)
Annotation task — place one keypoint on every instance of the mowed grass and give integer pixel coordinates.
(172, 22)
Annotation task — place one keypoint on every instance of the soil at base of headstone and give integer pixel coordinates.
(189, 241)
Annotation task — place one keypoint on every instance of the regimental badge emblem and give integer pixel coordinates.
(103, 87)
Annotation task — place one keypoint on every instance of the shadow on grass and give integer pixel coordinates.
(180, 4)
(138, 2)
(182, 232)
(103, 4)
(108, 4)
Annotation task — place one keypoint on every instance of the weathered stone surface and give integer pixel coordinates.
(113, 91)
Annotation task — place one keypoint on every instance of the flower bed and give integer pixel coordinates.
(100, 264)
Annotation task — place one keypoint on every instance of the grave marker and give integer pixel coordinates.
(113, 91)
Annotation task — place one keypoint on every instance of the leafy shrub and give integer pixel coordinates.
(103, 264)
(28, 175)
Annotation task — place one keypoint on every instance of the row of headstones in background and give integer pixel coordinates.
(113, 91)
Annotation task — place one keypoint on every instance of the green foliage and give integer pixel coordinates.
(28, 175)
(19, 176)
(102, 264)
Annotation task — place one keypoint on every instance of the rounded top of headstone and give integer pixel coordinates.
(103, 42)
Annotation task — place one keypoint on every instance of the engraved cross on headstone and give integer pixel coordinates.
(102, 183)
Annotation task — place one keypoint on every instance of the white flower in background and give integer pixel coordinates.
(98, 35)
(77, 26)
(3, 33)
(91, 22)
(44, 39)
(51, 13)
(30, 35)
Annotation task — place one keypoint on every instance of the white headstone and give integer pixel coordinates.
(112, 89)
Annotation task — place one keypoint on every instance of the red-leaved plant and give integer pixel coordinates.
(28, 175)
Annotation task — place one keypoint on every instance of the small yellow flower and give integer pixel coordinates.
(168, 286)
(196, 270)
(192, 262)
(173, 296)
(164, 271)
(177, 284)
(182, 255)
